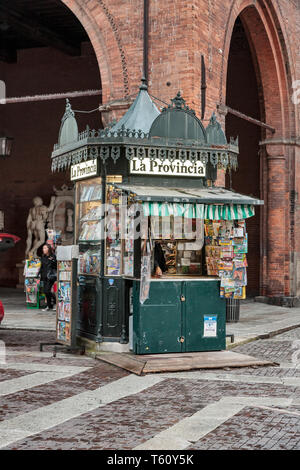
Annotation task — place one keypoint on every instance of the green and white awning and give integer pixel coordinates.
(228, 211)
(166, 209)
(212, 203)
(199, 211)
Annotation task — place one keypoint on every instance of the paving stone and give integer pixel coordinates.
(131, 421)
(240, 432)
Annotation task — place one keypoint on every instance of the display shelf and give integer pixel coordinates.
(88, 209)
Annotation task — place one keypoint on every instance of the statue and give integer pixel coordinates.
(61, 219)
(69, 227)
(36, 224)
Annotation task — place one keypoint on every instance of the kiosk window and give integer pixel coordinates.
(182, 257)
(181, 240)
(89, 210)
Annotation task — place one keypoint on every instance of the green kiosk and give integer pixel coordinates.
(161, 248)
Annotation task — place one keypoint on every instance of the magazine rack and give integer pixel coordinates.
(33, 292)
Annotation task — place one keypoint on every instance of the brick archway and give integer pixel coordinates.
(270, 55)
(101, 27)
(272, 59)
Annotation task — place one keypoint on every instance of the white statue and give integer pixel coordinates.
(36, 222)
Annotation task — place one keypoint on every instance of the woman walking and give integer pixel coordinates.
(48, 275)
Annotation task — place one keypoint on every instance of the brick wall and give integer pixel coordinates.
(35, 128)
(180, 32)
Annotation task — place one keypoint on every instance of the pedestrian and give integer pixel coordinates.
(48, 274)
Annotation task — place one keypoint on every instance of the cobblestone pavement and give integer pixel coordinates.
(75, 402)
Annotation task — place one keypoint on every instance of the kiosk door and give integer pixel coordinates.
(179, 316)
(157, 323)
(204, 316)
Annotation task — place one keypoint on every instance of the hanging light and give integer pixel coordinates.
(5, 146)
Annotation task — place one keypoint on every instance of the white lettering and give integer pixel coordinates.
(84, 169)
(118, 460)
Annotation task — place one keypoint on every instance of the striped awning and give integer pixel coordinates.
(199, 211)
(228, 211)
(166, 209)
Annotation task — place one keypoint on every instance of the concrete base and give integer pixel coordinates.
(106, 346)
(174, 362)
(280, 301)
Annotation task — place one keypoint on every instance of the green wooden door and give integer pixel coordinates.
(157, 324)
(204, 317)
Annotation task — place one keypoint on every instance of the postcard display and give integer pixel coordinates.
(120, 246)
(226, 246)
(89, 196)
(66, 310)
(88, 235)
(88, 226)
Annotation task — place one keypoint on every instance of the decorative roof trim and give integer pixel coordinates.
(221, 158)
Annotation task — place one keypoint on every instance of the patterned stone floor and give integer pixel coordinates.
(75, 402)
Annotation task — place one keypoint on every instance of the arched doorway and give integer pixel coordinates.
(243, 94)
(45, 50)
(257, 85)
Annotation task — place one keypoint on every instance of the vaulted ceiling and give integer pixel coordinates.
(36, 23)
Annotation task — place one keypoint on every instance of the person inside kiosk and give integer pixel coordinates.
(177, 246)
(159, 260)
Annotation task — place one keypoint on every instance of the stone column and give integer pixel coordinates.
(277, 228)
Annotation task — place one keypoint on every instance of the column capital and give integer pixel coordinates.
(281, 141)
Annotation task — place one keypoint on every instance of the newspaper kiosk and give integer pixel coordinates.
(148, 190)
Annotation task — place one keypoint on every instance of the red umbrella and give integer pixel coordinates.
(8, 240)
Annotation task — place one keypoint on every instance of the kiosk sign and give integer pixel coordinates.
(166, 167)
(84, 170)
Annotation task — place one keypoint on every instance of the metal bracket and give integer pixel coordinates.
(231, 338)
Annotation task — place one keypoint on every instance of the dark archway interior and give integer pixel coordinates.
(243, 95)
(44, 49)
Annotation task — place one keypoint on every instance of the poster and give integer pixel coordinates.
(32, 267)
(210, 326)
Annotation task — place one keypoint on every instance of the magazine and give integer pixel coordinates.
(240, 293)
(96, 193)
(241, 247)
(64, 291)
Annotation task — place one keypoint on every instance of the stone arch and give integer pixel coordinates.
(270, 51)
(101, 27)
(273, 64)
